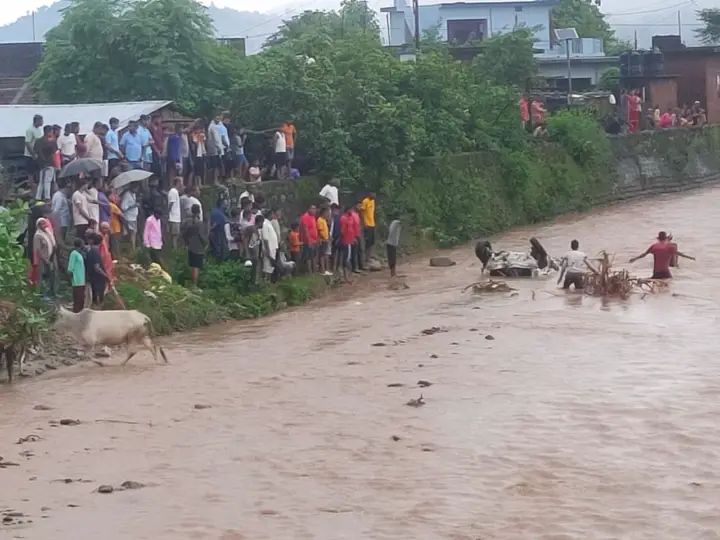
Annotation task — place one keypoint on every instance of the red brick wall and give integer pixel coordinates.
(663, 93)
(712, 89)
(691, 72)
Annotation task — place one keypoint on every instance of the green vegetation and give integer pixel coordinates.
(22, 317)
(226, 291)
(122, 50)
(585, 16)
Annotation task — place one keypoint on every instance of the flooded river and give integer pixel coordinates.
(582, 419)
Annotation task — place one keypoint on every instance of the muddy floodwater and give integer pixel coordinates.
(581, 419)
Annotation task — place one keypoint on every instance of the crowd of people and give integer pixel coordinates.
(200, 152)
(631, 113)
(77, 223)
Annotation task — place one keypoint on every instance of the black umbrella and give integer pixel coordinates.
(82, 165)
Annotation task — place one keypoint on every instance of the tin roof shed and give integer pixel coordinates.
(15, 119)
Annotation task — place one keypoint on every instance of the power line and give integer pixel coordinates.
(674, 6)
(653, 25)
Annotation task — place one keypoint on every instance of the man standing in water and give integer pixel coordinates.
(573, 267)
(663, 252)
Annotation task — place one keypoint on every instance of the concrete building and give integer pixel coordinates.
(461, 23)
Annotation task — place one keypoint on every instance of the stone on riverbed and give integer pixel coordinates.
(442, 261)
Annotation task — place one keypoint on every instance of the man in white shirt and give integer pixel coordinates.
(93, 202)
(330, 192)
(130, 210)
(192, 199)
(281, 159)
(93, 143)
(80, 209)
(67, 144)
(574, 266)
(175, 211)
(270, 245)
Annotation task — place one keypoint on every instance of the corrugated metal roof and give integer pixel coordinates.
(15, 119)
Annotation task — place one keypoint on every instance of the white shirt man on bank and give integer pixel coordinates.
(175, 211)
(330, 192)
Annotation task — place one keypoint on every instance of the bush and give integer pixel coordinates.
(580, 134)
(170, 306)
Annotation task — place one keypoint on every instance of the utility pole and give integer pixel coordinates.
(33, 24)
(568, 44)
(679, 26)
(635, 48)
(416, 8)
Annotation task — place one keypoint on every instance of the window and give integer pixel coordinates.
(462, 31)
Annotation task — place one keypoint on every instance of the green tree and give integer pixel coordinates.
(710, 32)
(354, 17)
(508, 59)
(110, 50)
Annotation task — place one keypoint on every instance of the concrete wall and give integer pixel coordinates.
(664, 161)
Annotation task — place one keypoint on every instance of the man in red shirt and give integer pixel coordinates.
(348, 235)
(663, 252)
(309, 238)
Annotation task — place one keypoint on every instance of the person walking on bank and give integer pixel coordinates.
(194, 237)
(76, 269)
(152, 235)
(391, 245)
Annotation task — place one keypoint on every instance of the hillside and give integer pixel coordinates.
(228, 23)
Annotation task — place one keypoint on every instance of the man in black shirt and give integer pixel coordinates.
(45, 149)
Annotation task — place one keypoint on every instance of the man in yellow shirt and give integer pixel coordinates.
(323, 241)
(367, 207)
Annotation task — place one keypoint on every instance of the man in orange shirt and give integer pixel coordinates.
(288, 129)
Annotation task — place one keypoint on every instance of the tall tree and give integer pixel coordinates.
(585, 16)
(508, 59)
(354, 17)
(108, 50)
(710, 32)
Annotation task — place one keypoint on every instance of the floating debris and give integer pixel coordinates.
(200, 406)
(419, 402)
(433, 330)
(424, 384)
(490, 337)
(395, 385)
(490, 286)
(618, 283)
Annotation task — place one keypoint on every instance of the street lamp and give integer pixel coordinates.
(567, 35)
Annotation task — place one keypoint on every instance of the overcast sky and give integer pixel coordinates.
(657, 11)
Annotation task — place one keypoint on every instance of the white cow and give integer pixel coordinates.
(91, 328)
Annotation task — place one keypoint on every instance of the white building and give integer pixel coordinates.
(461, 22)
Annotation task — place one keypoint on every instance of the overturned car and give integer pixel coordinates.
(515, 263)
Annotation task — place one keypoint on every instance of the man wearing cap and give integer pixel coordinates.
(663, 251)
